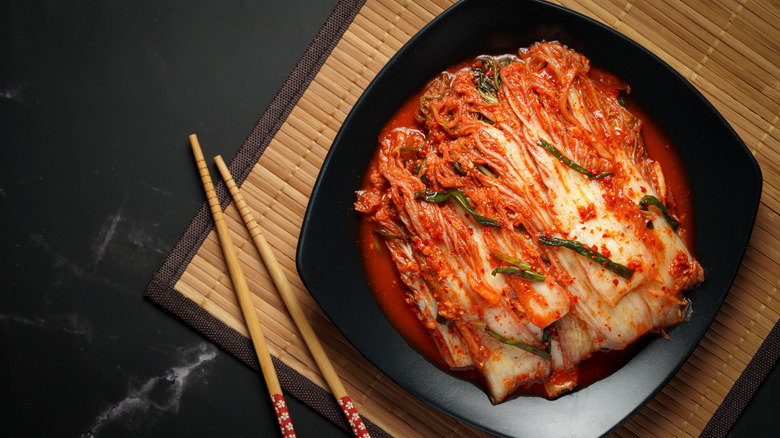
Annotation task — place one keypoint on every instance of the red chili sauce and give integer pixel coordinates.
(389, 289)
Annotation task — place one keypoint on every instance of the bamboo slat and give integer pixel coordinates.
(729, 50)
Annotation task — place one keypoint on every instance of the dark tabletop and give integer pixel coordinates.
(97, 183)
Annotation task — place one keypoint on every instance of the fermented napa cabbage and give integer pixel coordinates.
(526, 219)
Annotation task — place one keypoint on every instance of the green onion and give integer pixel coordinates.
(487, 86)
(440, 319)
(547, 340)
(458, 168)
(436, 197)
(522, 269)
(482, 118)
(388, 234)
(484, 170)
(521, 345)
(420, 171)
(557, 154)
(432, 196)
(586, 252)
(531, 275)
(652, 200)
(486, 96)
(621, 100)
(512, 260)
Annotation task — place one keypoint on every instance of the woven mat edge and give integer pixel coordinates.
(745, 387)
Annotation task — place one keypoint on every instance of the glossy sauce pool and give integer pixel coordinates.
(389, 289)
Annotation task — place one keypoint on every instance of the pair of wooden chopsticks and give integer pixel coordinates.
(248, 310)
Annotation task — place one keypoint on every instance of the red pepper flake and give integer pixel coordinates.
(679, 265)
(635, 265)
(587, 212)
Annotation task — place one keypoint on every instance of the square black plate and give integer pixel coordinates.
(725, 181)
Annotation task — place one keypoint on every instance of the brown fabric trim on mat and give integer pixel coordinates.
(745, 387)
(293, 88)
(160, 289)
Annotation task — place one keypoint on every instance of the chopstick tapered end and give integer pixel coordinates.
(196, 148)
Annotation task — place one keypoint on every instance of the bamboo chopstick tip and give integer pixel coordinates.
(222, 167)
(195, 144)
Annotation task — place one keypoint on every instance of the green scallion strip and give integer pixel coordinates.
(486, 96)
(584, 251)
(565, 160)
(493, 66)
(486, 120)
(435, 196)
(456, 166)
(547, 340)
(522, 269)
(484, 170)
(652, 200)
(512, 260)
(531, 275)
(521, 345)
(429, 195)
(440, 319)
(487, 86)
(388, 234)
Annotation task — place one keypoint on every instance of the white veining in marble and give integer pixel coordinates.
(66, 269)
(106, 234)
(12, 93)
(156, 189)
(156, 396)
(73, 324)
(120, 242)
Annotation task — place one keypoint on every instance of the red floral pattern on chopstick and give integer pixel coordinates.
(285, 423)
(355, 422)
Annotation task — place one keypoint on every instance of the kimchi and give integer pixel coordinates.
(526, 219)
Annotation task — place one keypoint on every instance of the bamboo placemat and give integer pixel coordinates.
(728, 49)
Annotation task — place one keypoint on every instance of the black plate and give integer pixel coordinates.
(725, 180)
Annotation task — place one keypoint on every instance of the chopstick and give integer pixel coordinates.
(244, 298)
(288, 296)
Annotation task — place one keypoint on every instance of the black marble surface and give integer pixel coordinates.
(97, 183)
